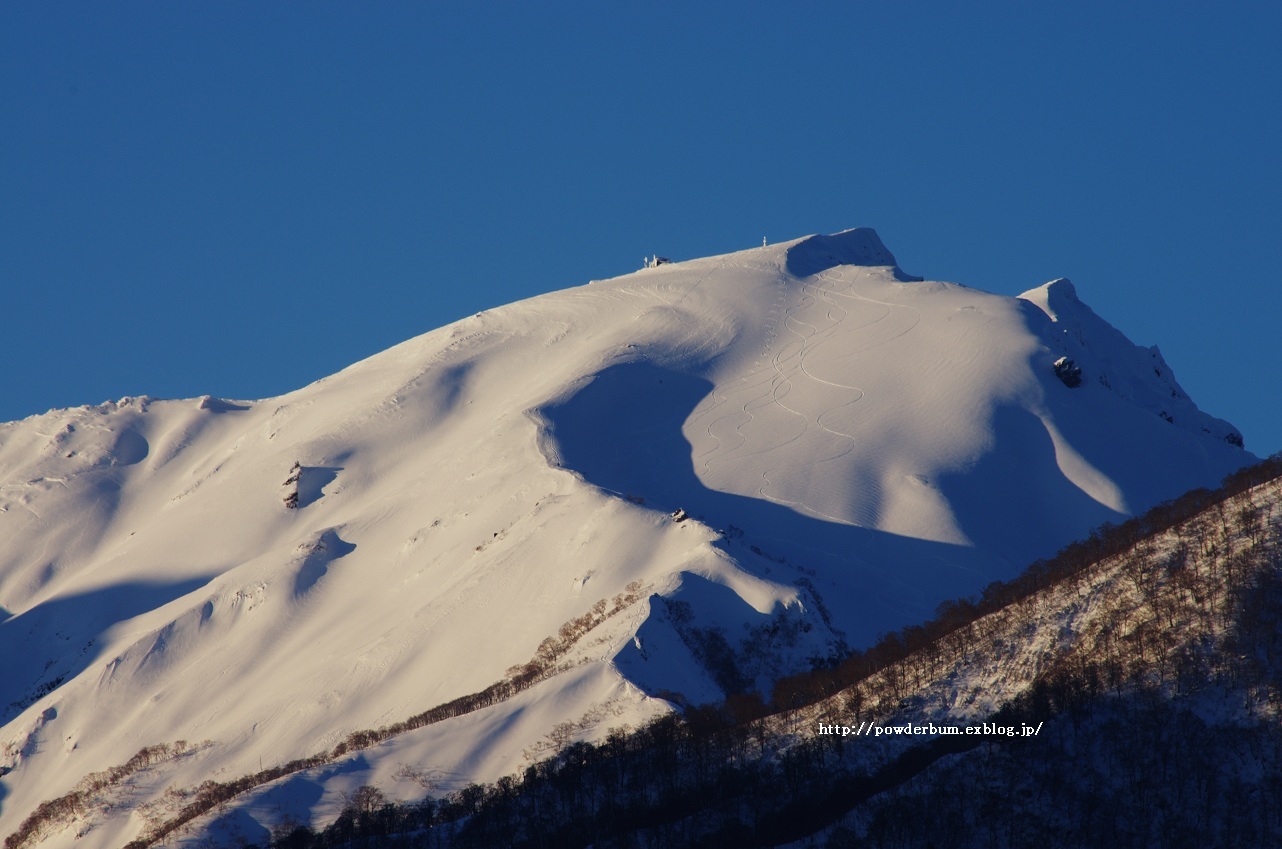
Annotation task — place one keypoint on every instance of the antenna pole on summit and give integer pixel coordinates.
(763, 241)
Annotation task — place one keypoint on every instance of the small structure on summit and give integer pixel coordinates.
(656, 261)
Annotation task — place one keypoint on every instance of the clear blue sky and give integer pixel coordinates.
(240, 198)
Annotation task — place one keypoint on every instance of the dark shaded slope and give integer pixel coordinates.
(1158, 718)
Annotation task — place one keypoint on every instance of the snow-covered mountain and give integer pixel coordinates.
(692, 479)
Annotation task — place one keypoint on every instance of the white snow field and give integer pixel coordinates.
(852, 446)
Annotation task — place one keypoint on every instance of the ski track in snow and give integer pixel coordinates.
(817, 321)
(456, 575)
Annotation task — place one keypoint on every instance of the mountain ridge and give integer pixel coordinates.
(521, 464)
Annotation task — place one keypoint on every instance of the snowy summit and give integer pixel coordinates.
(646, 491)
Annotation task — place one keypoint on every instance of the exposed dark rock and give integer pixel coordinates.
(1068, 371)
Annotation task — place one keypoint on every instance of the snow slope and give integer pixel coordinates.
(852, 446)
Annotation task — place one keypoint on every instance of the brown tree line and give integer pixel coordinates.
(708, 777)
(953, 618)
(1199, 614)
(81, 801)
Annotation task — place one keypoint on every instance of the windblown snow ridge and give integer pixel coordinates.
(859, 246)
(793, 445)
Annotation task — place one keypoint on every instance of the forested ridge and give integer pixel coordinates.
(1151, 653)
